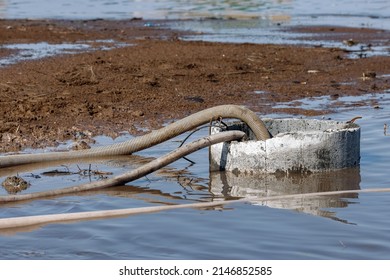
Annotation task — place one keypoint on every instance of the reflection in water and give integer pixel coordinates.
(222, 185)
(326, 102)
(298, 12)
(46, 176)
(178, 185)
(227, 185)
(3, 5)
(273, 10)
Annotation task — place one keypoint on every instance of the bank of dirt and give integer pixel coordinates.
(154, 77)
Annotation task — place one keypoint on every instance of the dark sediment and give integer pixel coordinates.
(158, 78)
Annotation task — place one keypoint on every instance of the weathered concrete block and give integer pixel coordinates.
(297, 145)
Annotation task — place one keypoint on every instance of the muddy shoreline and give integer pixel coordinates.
(155, 77)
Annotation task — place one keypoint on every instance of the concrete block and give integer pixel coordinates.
(297, 145)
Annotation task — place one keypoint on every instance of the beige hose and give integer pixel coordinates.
(151, 139)
(138, 172)
(131, 146)
(9, 223)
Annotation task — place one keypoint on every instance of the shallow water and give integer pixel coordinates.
(333, 12)
(30, 51)
(327, 102)
(254, 31)
(337, 227)
(254, 21)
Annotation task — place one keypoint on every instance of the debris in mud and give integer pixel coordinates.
(90, 172)
(154, 80)
(79, 145)
(354, 119)
(57, 172)
(194, 99)
(350, 42)
(137, 113)
(82, 172)
(15, 184)
(368, 75)
(80, 75)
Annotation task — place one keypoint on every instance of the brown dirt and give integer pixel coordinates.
(160, 78)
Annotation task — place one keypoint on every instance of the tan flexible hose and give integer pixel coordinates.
(8, 223)
(138, 172)
(151, 139)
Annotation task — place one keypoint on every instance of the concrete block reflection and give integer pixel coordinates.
(227, 185)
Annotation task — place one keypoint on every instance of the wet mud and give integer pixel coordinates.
(150, 77)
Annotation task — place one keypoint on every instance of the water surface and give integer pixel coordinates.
(312, 12)
(338, 227)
